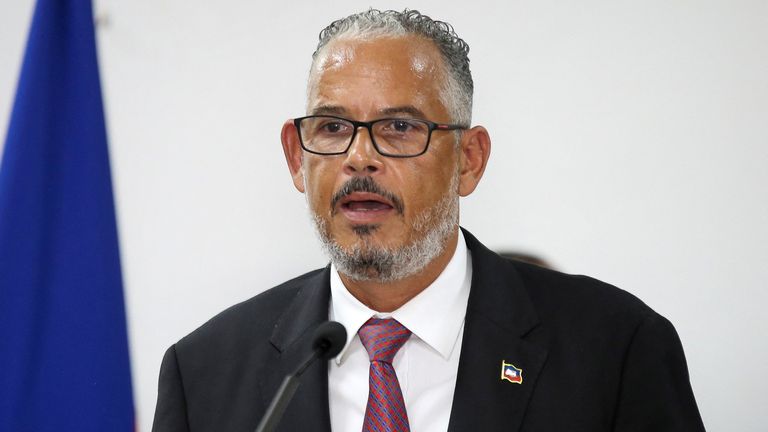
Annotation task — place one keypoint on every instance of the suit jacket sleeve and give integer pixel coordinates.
(655, 393)
(171, 411)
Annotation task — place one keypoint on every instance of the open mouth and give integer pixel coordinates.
(365, 207)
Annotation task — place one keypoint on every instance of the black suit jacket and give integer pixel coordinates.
(594, 358)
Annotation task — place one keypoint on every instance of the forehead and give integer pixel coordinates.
(374, 74)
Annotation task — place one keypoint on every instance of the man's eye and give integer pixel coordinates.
(398, 126)
(332, 127)
(401, 125)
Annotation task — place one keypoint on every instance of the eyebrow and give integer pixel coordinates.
(329, 110)
(405, 109)
(341, 111)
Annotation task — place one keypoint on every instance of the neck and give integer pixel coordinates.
(389, 296)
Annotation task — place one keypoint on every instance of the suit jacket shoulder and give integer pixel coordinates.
(246, 321)
(222, 376)
(575, 304)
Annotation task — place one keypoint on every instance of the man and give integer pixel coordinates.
(443, 334)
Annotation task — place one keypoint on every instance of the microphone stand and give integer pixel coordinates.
(285, 394)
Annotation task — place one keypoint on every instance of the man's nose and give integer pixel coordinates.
(362, 157)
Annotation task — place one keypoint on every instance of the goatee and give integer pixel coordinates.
(368, 261)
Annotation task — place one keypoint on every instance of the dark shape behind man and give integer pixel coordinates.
(482, 343)
(526, 257)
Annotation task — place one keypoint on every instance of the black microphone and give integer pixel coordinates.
(327, 342)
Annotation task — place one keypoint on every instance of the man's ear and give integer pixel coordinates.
(289, 136)
(475, 150)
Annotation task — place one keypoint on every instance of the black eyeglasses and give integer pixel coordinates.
(393, 137)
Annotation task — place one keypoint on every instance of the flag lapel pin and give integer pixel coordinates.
(511, 373)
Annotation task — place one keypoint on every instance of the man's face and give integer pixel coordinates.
(394, 202)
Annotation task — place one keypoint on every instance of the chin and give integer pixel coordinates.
(368, 257)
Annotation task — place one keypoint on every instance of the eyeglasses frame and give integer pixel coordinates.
(369, 126)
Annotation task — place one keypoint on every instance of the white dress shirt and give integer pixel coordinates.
(426, 365)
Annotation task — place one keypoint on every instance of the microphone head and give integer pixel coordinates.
(330, 337)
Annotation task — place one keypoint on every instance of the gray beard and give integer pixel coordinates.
(366, 261)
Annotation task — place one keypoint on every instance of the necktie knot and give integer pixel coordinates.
(382, 338)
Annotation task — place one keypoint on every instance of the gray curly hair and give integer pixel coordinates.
(457, 88)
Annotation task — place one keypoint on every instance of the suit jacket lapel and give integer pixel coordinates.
(499, 316)
(292, 338)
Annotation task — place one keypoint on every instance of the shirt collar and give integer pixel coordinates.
(435, 315)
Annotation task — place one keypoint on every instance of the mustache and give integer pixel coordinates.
(365, 184)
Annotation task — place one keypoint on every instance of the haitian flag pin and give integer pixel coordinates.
(510, 373)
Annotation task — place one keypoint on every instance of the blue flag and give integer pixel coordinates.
(63, 342)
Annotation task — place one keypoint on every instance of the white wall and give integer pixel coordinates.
(630, 143)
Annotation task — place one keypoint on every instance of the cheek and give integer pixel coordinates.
(426, 184)
(319, 184)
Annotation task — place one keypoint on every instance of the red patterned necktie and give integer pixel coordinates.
(382, 338)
